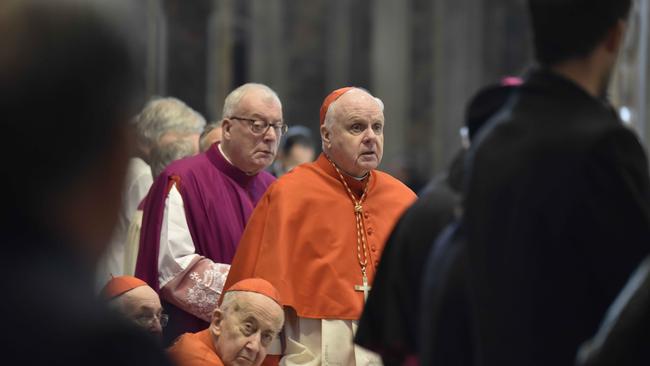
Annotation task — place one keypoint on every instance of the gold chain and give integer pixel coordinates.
(358, 212)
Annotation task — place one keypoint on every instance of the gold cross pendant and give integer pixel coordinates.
(365, 288)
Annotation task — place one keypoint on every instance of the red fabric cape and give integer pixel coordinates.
(195, 349)
(302, 238)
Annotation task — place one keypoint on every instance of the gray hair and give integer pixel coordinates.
(211, 126)
(163, 115)
(203, 143)
(163, 155)
(331, 111)
(235, 96)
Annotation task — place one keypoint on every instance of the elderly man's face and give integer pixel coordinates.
(355, 140)
(243, 333)
(249, 151)
(142, 306)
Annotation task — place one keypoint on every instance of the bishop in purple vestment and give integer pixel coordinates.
(197, 209)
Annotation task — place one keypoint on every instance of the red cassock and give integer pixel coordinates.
(302, 237)
(194, 349)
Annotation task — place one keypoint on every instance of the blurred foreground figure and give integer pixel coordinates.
(318, 233)
(136, 301)
(624, 334)
(197, 208)
(558, 198)
(67, 91)
(241, 331)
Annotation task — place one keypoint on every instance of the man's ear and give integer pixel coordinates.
(615, 37)
(226, 125)
(325, 135)
(215, 324)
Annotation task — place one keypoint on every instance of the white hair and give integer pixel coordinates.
(235, 96)
(165, 154)
(331, 110)
(163, 115)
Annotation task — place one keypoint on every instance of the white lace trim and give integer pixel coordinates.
(203, 295)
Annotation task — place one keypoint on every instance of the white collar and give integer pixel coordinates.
(224, 154)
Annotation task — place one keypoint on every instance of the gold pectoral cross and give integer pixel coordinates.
(365, 288)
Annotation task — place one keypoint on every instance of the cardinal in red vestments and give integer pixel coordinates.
(318, 232)
(242, 328)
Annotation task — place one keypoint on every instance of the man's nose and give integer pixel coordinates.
(369, 136)
(156, 326)
(271, 134)
(254, 342)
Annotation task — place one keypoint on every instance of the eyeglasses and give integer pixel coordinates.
(260, 127)
(146, 320)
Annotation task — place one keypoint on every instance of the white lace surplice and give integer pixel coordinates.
(190, 281)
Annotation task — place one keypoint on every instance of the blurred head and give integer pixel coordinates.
(68, 86)
(572, 29)
(485, 104)
(297, 147)
(168, 152)
(244, 326)
(165, 120)
(137, 302)
(247, 112)
(211, 134)
(352, 132)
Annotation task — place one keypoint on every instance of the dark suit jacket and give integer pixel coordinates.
(50, 314)
(558, 216)
(390, 321)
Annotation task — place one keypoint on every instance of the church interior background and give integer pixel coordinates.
(423, 58)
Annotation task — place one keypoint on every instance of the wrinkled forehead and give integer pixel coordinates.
(261, 103)
(141, 296)
(357, 103)
(258, 306)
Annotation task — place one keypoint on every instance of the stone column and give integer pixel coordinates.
(458, 45)
(390, 72)
(156, 71)
(219, 51)
(337, 55)
(267, 49)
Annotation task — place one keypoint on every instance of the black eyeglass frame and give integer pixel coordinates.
(263, 130)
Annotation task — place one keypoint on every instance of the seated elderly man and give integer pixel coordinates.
(241, 331)
(138, 302)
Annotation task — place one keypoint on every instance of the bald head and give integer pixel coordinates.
(244, 327)
(331, 113)
(352, 132)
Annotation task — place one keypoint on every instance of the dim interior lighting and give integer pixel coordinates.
(625, 114)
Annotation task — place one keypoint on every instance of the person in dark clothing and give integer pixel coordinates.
(296, 147)
(390, 322)
(624, 334)
(67, 89)
(557, 205)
